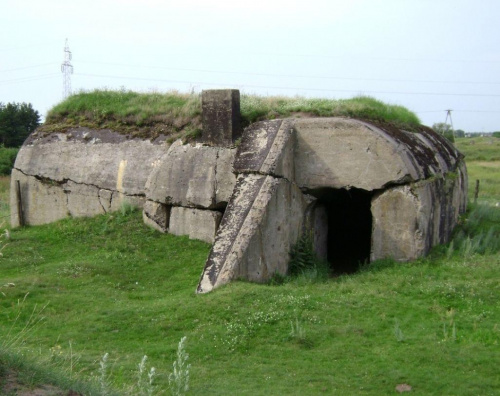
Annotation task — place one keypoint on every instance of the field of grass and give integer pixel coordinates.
(72, 291)
(176, 114)
(482, 155)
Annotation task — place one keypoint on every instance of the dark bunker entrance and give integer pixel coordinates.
(349, 228)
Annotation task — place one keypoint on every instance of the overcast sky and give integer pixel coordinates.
(427, 55)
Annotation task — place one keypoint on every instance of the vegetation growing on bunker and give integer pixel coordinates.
(175, 114)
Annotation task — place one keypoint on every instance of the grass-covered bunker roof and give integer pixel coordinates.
(149, 115)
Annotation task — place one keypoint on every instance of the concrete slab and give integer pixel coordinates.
(192, 176)
(198, 224)
(264, 218)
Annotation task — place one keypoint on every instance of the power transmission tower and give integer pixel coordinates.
(67, 70)
(448, 114)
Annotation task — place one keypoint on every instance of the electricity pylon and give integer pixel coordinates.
(67, 70)
(448, 114)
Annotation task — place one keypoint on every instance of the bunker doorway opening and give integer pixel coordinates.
(349, 232)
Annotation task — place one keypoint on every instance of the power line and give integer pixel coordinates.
(27, 67)
(30, 78)
(288, 87)
(24, 47)
(290, 75)
(363, 57)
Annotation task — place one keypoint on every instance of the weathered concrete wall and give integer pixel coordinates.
(410, 219)
(344, 153)
(197, 223)
(263, 220)
(417, 180)
(192, 176)
(81, 173)
(186, 178)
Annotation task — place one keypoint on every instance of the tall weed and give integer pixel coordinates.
(178, 379)
(304, 264)
(479, 232)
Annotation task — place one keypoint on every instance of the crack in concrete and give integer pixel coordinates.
(99, 199)
(260, 173)
(214, 195)
(111, 199)
(47, 180)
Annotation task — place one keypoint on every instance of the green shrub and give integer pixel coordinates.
(304, 262)
(7, 159)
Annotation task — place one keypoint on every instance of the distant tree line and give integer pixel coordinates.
(446, 130)
(17, 121)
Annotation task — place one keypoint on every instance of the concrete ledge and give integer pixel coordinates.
(123, 166)
(198, 224)
(267, 148)
(192, 176)
(156, 215)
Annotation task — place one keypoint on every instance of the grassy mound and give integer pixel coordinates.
(77, 290)
(151, 114)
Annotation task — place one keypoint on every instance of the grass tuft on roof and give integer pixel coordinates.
(176, 114)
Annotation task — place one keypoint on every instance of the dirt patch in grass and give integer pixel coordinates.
(488, 164)
(12, 385)
(153, 132)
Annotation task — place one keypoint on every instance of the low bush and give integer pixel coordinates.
(305, 264)
(7, 159)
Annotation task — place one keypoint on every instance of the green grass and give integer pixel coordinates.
(255, 108)
(482, 157)
(479, 148)
(4, 200)
(176, 114)
(111, 285)
(137, 114)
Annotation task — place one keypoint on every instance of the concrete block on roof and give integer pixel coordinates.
(221, 116)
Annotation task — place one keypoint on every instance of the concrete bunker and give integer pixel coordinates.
(368, 190)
